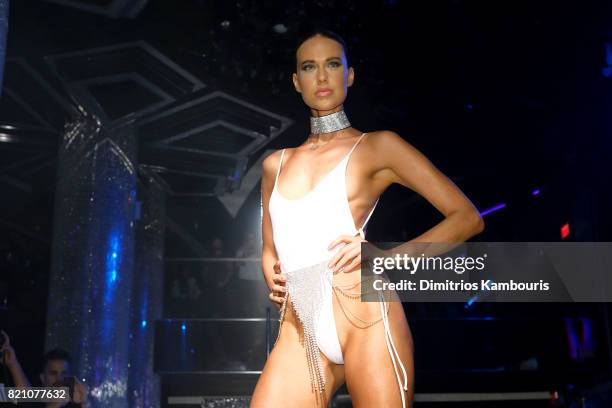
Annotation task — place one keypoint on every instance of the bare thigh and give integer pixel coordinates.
(370, 377)
(285, 380)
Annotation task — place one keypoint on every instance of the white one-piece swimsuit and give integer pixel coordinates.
(302, 230)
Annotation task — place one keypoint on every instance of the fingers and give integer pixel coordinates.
(279, 279)
(339, 240)
(336, 258)
(352, 246)
(278, 300)
(346, 258)
(279, 289)
(353, 264)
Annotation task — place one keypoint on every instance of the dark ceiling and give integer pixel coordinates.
(506, 78)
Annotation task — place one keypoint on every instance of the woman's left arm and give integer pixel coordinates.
(400, 162)
(397, 161)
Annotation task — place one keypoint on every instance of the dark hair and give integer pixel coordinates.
(56, 354)
(324, 33)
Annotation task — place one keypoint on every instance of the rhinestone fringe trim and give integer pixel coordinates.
(305, 286)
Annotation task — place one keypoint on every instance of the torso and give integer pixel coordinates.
(306, 168)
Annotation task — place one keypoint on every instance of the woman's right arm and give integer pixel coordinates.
(269, 258)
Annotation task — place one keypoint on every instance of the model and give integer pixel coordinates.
(313, 198)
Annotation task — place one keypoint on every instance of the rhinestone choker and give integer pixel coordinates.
(329, 123)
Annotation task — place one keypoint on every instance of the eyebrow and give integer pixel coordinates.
(329, 59)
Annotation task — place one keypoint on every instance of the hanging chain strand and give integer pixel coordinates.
(342, 290)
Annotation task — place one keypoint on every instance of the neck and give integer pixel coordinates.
(324, 138)
(319, 113)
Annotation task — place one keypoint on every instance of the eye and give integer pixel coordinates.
(335, 64)
(306, 67)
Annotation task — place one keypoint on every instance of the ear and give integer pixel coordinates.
(351, 76)
(296, 84)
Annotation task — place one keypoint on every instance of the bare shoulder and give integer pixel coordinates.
(392, 159)
(386, 141)
(385, 146)
(271, 162)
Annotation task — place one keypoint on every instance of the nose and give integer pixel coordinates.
(322, 77)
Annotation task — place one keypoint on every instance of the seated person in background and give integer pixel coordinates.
(56, 371)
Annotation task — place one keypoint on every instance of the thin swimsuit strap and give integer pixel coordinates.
(279, 167)
(360, 230)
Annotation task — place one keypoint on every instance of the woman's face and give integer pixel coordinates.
(322, 75)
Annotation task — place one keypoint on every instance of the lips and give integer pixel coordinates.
(324, 92)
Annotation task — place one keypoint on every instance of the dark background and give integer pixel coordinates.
(503, 97)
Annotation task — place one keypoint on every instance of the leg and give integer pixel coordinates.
(285, 380)
(370, 376)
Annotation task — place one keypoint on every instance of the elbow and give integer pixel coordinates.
(478, 224)
(473, 224)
